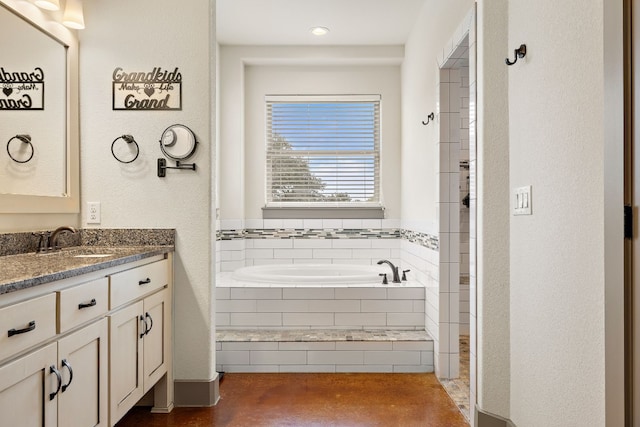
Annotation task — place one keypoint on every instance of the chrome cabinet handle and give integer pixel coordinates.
(31, 327)
(68, 366)
(91, 303)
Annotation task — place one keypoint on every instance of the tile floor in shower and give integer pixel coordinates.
(458, 388)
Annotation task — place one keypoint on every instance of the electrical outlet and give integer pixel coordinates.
(93, 212)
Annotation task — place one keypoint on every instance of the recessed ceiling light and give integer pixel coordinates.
(319, 31)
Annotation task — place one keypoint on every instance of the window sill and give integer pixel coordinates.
(314, 212)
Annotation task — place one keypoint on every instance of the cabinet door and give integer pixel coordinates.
(125, 355)
(82, 358)
(25, 388)
(155, 314)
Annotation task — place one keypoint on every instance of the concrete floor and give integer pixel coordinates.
(317, 400)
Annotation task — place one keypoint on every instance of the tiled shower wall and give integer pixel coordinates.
(456, 147)
(449, 215)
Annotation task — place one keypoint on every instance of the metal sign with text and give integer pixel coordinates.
(22, 90)
(157, 89)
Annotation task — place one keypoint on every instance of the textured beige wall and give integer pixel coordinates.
(557, 145)
(492, 209)
(139, 36)
(433, 29)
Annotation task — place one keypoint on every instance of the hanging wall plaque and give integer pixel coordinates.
(22, 90)
(157, 89)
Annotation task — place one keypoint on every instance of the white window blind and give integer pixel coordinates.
(323, 151)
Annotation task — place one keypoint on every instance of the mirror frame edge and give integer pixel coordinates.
(17, 203)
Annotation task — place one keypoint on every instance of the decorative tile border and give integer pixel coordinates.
(427, 240)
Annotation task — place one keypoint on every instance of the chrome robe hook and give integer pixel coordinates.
(517, 53)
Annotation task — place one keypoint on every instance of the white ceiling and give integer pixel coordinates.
(287, 22)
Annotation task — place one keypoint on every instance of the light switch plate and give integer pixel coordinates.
(523, 201)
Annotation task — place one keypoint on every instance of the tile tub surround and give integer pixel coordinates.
(239, 247)
(342, 328)
(413, 245)
(324, 351)
(243, 305)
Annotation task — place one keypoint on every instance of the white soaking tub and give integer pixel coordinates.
(313, 274)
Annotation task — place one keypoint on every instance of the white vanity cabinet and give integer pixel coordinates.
(65, 382)
(82, 400)
(139, 336)
(25, 387)
(71, 357)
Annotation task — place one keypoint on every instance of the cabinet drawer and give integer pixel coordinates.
(82, 303)
(26, 324)
(137, 282)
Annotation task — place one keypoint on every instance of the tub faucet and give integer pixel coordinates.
(394, 269)
(54, 236)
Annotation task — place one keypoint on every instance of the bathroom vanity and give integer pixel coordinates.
(85, 334)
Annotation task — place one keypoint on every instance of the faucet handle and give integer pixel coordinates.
(404, 274)
(384, 280)
(43, 241)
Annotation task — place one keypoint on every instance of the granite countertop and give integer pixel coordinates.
(23, 271)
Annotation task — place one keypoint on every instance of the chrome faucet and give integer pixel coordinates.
(394, 269)
(54, 236)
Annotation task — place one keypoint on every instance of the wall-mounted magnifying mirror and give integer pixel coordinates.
(178, 142)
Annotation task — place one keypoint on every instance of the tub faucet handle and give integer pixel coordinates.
(384, 278)
(404, 274)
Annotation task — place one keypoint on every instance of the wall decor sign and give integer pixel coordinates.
(157, 89)
(22, 90)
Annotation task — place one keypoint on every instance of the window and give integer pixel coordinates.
(323, 151)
